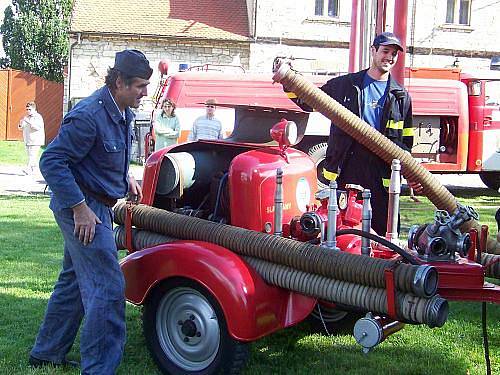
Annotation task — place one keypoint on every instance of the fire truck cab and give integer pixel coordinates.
(457, 121)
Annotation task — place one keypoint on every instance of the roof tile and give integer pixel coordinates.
(205, 19)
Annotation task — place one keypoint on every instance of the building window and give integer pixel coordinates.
(458, 12)
(328, 8)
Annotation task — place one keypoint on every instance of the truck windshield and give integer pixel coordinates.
(492, 93)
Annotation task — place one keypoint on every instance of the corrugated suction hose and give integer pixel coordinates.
(139, 239)
(409, 308)
(419, 280)
(492, 264)
(375, 142)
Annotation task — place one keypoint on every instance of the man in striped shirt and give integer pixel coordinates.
(207, 127)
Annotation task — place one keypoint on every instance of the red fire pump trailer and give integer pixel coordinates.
(233, 242)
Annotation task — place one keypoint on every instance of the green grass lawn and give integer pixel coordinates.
(30, 260)
(13, 152)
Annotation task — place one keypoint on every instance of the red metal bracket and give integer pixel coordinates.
(390, 290)
(128, 228)
(483, 240)
(473, 245)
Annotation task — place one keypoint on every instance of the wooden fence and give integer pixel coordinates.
(16, 89)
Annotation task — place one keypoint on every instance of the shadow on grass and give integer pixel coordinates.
(415, 350)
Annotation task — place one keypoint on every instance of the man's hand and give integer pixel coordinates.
(85, 221)
(134, 191)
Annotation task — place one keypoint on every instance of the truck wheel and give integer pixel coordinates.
(186, 331)
(318, 155)
(491, 179)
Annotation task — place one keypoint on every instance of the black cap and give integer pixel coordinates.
(387, 39)
(133, 63)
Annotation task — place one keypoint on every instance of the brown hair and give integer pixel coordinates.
(112, 76)
(168, 101)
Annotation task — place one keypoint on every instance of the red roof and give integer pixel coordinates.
(199, 19)
(230, 16)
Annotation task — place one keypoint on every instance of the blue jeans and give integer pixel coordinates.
(90, 286)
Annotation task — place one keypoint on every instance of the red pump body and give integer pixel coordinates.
(252, 182)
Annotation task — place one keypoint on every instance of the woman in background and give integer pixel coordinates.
(166, 126)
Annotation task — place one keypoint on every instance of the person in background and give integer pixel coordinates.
(166, 126)
(86, 167)
(207, 127)
(377, 98)
(33, 134)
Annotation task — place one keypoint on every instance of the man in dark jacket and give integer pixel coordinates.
(377, 98)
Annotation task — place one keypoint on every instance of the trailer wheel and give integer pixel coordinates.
(318, 155)
(327, 314)
(186, 331)
(491, 179)
(325, 319)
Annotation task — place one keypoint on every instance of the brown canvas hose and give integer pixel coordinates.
(375, 142)
(409, 308)
(421, 280)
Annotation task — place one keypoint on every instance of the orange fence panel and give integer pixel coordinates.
(22, 88)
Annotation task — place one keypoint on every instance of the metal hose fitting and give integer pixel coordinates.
(367, 222)
(393, 206)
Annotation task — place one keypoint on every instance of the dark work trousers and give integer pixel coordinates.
(91, 287)
(364, 168)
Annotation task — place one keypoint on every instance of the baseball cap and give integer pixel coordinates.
(133, 63)
(387, 39)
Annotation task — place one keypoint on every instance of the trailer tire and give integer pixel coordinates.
(318, 154)
(186, 331)
(491, 179)
(325, 319)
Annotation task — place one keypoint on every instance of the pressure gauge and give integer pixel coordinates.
(342, 200)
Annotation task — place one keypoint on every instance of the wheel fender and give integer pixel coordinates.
(252, 308)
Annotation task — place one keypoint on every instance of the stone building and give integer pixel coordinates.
(253, 32)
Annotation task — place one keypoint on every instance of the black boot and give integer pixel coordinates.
(36, 363)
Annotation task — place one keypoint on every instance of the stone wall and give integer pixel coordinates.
(432, 32)
(296, 20)
(291, 29)
(91, 57)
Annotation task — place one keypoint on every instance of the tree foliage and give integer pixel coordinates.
(35, 37)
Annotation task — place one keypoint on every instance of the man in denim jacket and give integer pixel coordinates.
(86, 167)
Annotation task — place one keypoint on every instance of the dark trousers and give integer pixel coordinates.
(91, 287)
(364, 168)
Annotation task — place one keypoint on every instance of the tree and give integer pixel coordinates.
(35, 37)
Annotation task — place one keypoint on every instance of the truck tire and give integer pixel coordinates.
(491, 179)
(186, 331)
(318, 155)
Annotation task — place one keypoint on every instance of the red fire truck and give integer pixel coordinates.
(456, 114)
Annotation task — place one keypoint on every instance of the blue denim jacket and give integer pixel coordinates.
(92, 150)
